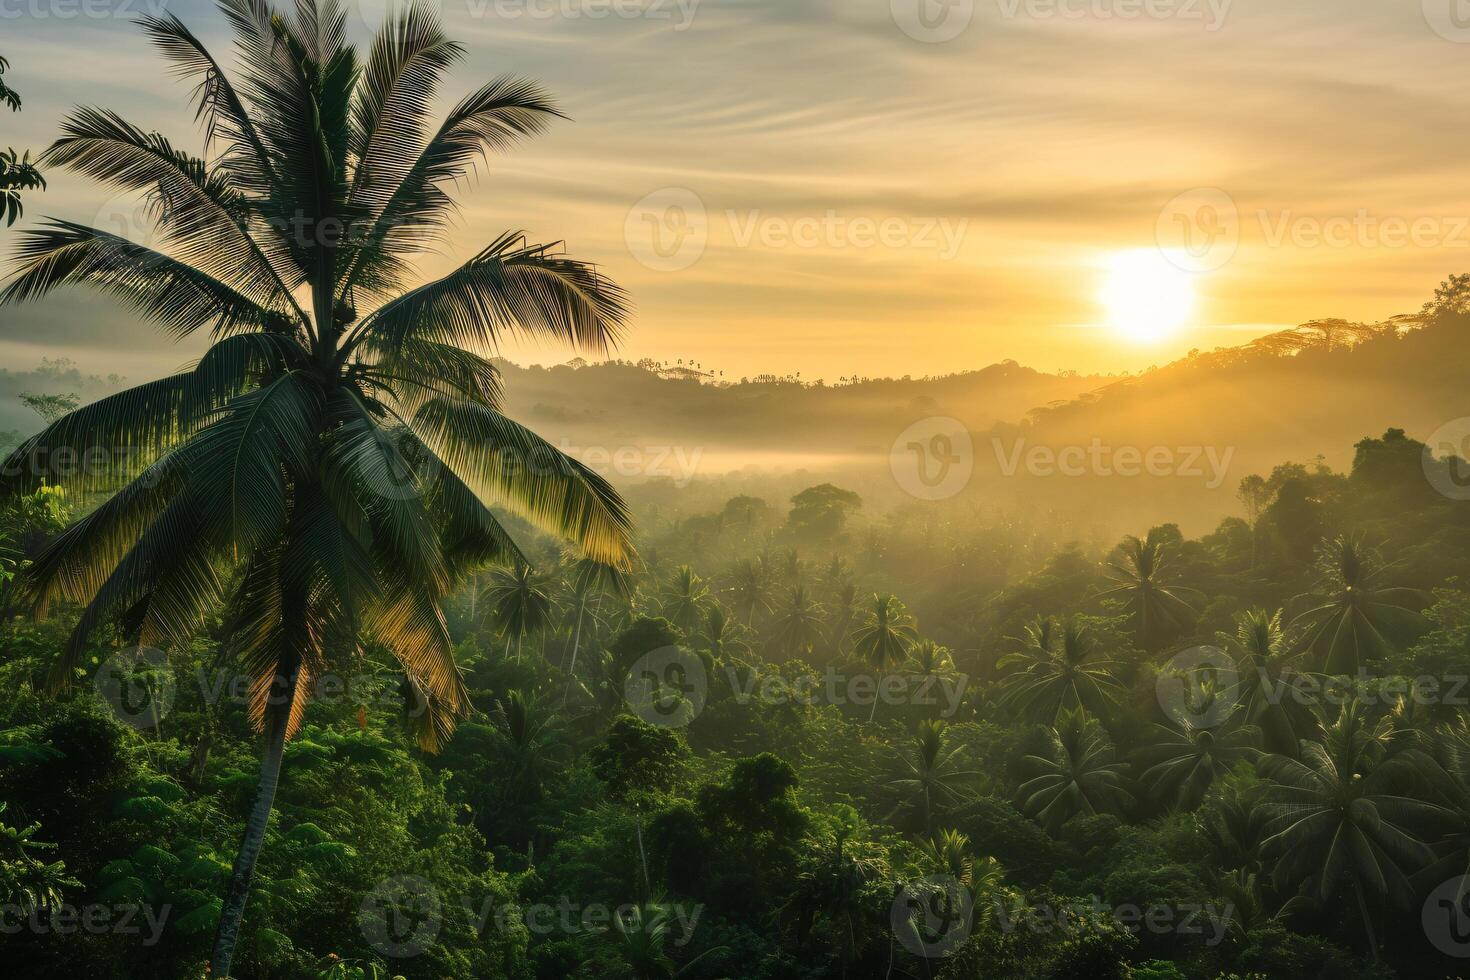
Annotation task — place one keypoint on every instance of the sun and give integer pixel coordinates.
(1147, 297)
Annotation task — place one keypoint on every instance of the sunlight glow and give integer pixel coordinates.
(1147, 297)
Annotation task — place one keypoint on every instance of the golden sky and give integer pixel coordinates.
(881, 188)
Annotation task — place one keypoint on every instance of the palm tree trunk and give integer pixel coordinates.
(233, 909)
(577, 634)
(1367, 920)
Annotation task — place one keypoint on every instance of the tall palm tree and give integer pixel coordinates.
(1181, 762)
(1079, 774)
(1158, 610)
(641, 933)
(750, 590)
(885, 637)
(929, 778)
(517, 601)
(1351, 608)
(722, 636)
(524, 741)
(948, 853)
(683, 599)
(1057, 669)
(797, 627)
(832, 888)
(327, 464)
(1271, 690)
(839, 623)
(589, 582)
(1338, 817)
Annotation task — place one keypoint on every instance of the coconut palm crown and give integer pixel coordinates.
(327, 468)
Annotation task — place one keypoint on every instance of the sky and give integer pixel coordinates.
(888, 187)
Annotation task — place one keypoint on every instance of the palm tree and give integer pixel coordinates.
(929, 778)
(640, 934)
(722, 636)
(1270, 689)
(750, 590)
(324, 468)
(1158, 610)
(1346, 625)
(929, 659)
(1056, 670)
(833, 889)
(517, 602)
(844, 614)
(885, 638)
(948, 853)
(797, 627)
(1182, 762)
(836, 574)
(1337, 818)
(590, 581)
(1079, 774)
(523, 741)
(683, 599)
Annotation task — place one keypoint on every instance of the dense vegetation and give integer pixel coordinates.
(1043, 745)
